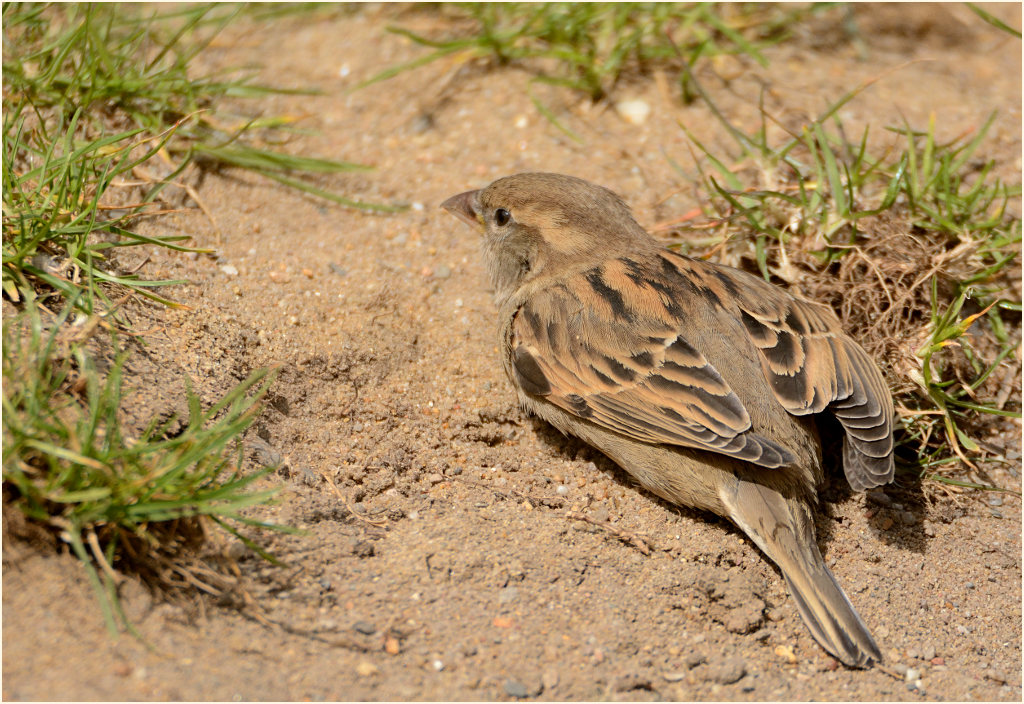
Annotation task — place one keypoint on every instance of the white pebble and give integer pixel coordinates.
(417, 206)
(344, 70)
(562, 490)
(521, 121)
(230, 269)
(635, 112)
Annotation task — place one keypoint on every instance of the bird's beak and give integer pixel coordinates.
(464, 207)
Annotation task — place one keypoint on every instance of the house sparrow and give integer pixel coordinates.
(700, 380)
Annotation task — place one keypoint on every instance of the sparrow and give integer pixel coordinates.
(700, 380)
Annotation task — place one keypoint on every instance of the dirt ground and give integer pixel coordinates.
(453, 548)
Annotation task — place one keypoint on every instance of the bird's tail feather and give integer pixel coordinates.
(784, 531)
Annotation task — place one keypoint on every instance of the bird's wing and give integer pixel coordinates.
(813, 366)
(606, 345)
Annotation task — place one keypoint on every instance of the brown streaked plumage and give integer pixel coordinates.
(698, 379)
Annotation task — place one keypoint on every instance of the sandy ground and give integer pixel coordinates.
(445, 557)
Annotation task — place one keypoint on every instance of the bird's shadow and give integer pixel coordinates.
(896, 510)
(887, 508)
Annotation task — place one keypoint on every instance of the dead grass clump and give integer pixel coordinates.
(881, 289)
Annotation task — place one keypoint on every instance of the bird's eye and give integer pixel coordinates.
(502, 216)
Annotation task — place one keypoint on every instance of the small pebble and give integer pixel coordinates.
(435, 478)
(632, 682)
(562, 490)
(635, 112)
(886, 523)
(508, 595)
(339, 270)
(912, 674)
(786, 652)
(364, 627)
(970, 585)
(366, 669)
(727, 671)
(549, 678)
(438, 665)
(423, 122)
(417, 206)
(995, 500)
(928, 652)
(908, 518)
(363, 548)
(237, 550)
(443, 272)
(694, 659)
(515, 688)
(880, 498)
(232, 270)
(327, 624)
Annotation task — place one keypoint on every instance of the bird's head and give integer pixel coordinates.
(540, 223)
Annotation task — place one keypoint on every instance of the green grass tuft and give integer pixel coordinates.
(112, 67)
(56, 231)
(591, 47)
(96, 101)
(118, 499)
